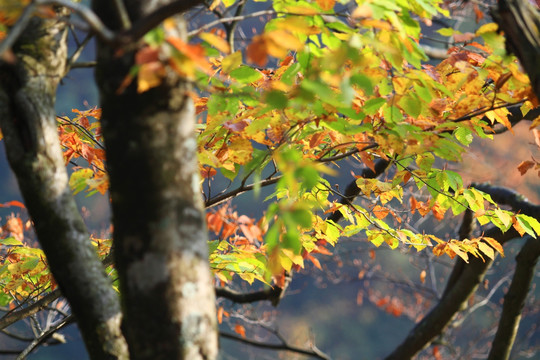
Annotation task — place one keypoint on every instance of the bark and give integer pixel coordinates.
(466, 277)
(159, 225)
(514, 300)
(434, 323)
(520, 21)
(27, 118)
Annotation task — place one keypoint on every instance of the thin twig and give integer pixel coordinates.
(314, 352)
(44, 336)
(14, 316)
(230, 19)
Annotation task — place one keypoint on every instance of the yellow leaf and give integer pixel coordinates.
(297, 24)
(231, 62)
(361, 12)
(455, 248)
(240, 151)
(216, 41)
(491, 27)
(378, 24)
(150, 75)
(494, 244)
(297, 259)
(280, 42)
(301, 10)
(486, 249)
(214, 4)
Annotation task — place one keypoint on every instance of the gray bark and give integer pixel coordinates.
(159, 225)
(27, 119)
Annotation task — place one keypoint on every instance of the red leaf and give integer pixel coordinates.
(235, 127)
(146, 55)
(13, 203)
(525, 166)
(240, 330)
(257, 51)
(479, 14)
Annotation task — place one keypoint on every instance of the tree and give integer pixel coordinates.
(324, 83)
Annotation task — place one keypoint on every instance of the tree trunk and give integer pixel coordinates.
(159, 225)
(27, 117)
(520, 21)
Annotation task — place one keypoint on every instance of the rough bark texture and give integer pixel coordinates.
(159, 225)
(520, 21)
(27, 119)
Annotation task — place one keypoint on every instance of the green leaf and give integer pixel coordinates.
(411, 105)
(302, 217)
(447, 31)
(363, 82)
(11, 241)
(290, 74)
(373, 105)
(231, 62)
(245, 74)
(276, 99)
(464, 135)
(532, 222)
(272, 235)
(77, 180)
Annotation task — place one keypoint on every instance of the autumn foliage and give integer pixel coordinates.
(313, 88)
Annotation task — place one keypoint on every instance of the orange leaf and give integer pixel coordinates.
(326, 5)
(372, 254)
(380, 212)
(146, 55)
(478, 13)
(315, 261)
(382, 302)
(438, 212)
(208, 172)
(228, 230)
(423, 276)
(240, 330)
(525, 166)
(14, 226)
(220, 315)
(257, 51)
(359, 298)
(13, 203)
(436, 353)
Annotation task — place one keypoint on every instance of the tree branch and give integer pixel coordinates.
(270, 294)
(14, 316)
(218, 199)
(514, 300)
(314, 352)
(352, 190)
(465, 278)
(115, 39)
(44, 336)
(520, 22)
